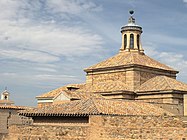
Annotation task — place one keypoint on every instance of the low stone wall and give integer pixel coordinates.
(9, 117)
(3, 136)
(105, 128)
(43, 132)
(137, 127)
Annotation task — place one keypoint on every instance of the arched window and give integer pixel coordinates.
(138, 41)
(125, 41)
(131, 41)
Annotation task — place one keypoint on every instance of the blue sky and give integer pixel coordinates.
(45, 44)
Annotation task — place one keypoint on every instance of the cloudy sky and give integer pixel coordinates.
(45, 44)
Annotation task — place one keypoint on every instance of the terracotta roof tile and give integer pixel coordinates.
(76, 85)
(56, 92)
(77, 94)
(53, 93)
(81, 95)
(129, 58)
(98, 106)
(14, 107)
(107, 86)
(162, 83)
(6, 102)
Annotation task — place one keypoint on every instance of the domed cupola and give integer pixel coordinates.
(131, 34)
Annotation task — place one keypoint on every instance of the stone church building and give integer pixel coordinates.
(129, 75)
(127, 96)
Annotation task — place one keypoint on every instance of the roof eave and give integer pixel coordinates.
(44, 98)
(161, 92)
(128, 66)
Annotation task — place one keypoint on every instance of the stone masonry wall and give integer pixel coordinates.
(133, 77)
(136, 127)
(106, 128)
(9, 117)
(47, 132)
(146, 76)
(3, 121)
(104, 77)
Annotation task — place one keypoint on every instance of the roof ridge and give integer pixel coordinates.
(133, 60)
(166, 79)
(64, 92)
(160, 62)
(95, 104)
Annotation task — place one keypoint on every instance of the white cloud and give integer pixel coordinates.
(10, 74)
(28, 39)
(50, 77)
(184, 0)
(38, 39)
(26, 55)
(166, 39)
(45, 69)
(173, 59)
(53, 40)
(72, 6)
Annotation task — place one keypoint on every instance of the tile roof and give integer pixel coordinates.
(98, 107)
(77, 94)
(76, 85)
(56, 92)
(127, 59)
(53, 93)
(107, 86)
(162, 83)
(6, 102)
(14, 107)
(81, 95)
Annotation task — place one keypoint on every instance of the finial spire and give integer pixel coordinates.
(131, 12)
(131, 19)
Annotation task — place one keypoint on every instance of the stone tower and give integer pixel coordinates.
(130, 67)
(131, 36)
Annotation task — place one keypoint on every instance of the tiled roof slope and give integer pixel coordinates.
(81, 95)
(96, 107)
(14, 107)
(78, 94)
(53, 93)
(107, 86)
(6, 102)
(56, 92)
(129, 58)
(162, 83)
